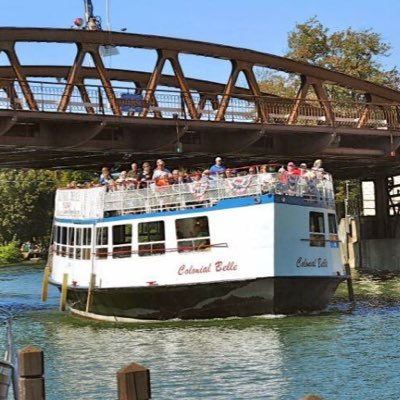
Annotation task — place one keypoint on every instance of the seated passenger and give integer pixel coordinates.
(105, 177)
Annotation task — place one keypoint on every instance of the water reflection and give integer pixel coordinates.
(339, 354)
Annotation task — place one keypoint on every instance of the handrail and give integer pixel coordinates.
(170, 105)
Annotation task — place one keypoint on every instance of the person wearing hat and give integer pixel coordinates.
(217, 167)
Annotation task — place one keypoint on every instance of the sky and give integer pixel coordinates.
(261, 25)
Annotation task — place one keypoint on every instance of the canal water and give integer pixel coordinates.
(343, 353)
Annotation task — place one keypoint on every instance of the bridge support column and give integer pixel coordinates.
(382, 208)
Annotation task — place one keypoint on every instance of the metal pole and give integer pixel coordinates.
(108, 13)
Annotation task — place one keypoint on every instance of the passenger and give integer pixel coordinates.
(72, 185)
(217, 167)
(252, 171)
(317, 164)
(122, 177)
(292, 169)
(121, 182)
(174, 180)
(160, 170)
(145, 175)
(183, 177)
(303, 169)
(230, 173)
(105, 177)
(162, 181)
(133, 172)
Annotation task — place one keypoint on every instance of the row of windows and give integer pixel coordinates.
(192, 234)
(317, 229)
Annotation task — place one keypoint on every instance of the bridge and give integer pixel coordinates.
(84, 116)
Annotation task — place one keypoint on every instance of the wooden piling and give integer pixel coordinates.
(92, 284)
(349, 282)
(31, 371)
(134, 383)
(4, 386)
(45, 285)
(64, 290)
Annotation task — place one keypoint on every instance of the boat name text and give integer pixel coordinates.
(218, 266)
(312, 262)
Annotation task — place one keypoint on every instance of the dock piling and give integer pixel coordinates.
(64, 290)
(31, 371)
(134, 383)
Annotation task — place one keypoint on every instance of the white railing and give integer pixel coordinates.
(207, 192)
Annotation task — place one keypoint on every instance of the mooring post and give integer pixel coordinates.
(64, 291)
(134, 383)
(31, 371)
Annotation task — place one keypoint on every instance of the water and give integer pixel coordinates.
(339, 354)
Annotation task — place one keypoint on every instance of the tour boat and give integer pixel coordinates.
(242, 246)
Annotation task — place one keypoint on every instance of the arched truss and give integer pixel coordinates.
(220, 95)
(311, 127)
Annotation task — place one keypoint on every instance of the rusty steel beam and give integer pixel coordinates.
(197, 48)
(139, 77)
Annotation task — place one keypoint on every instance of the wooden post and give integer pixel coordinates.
(4, 385)
(64, 290)
(45, 286)
(92, 284)
(134, 383)
(31, 371)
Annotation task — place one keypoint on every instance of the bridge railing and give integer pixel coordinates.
(92, 99)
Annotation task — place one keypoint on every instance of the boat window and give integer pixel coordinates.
(153, 234)
(122, 236)
(71, 241)
(64, 241)
(193, 234)
(101, 242)
(332, 223)
(86, 243)
(333, 236)
(317, 229)
(57, 239)
(78, 242)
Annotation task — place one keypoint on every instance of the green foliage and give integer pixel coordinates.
(10, 253)
(350, 191)
(355, 53)
(27, 202)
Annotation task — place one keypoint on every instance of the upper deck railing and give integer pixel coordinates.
(168, 104)
(126, 199)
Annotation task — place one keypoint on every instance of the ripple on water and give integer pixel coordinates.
(343, 353)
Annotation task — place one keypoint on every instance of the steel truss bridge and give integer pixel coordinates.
(54, 116)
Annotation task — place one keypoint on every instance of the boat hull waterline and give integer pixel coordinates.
(275, 295)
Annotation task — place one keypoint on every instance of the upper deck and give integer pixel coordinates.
(123, 199)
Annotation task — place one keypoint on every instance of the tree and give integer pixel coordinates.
(355, 53)
(27, 202)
